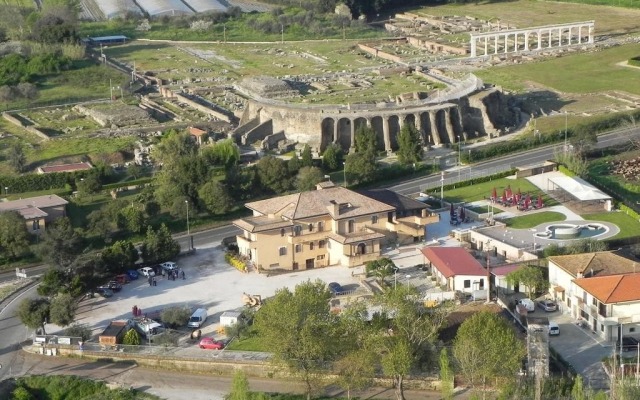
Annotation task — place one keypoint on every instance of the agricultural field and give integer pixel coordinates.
(527, 13)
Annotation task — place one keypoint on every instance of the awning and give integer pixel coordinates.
(558, 289)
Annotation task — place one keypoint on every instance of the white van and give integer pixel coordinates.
(197, 318)
(554, 329)
(528, 304)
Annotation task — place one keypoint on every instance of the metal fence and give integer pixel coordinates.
(462, 175)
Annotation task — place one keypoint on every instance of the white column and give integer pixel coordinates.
(473, 46)
(569, 37)
(550, 38)
(580, 34)
(539, 39)
(386, 134)
(486, 45)
(526, 41)
(591, 33)
(506, 45)
(559, 37)
(495, 51)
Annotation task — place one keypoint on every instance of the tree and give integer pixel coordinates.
(307, 156)
(60, 243)
(587, 245)
(34, 313)
(63, 309)
(239, 387)
(294, 164)
(583, 140)
(215, 197)
(409, 145)
(530, 276)
(406, 339)
(78, 330)
(308, 178)
(380, 268)
(14, 238)
(332, 157)
(487, 348)
(175, 317)
(135, 171)
(131, 338)
(356, 370)
(360, 168)
(7, 93)
(226, 153)
(27, 90)
(274, 174)
(447, 375)
(159, 246)
(99, 222)
(54, 281)
(132, 219)
(16, 157)
(120, 256)
(300, 330)
(366, 140)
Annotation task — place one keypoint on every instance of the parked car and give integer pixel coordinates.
(547, 305)
(335, 288)
(133, 274)
(169, 266)
(211, 343)
(528, 304)
(629, 343)
(104, 291)
(114, 286)
(123, 279)
(554, 329)
(147, 271)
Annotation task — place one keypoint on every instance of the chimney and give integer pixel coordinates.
(334, 208)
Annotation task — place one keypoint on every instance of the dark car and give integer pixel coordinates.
(104, 291)
(133, 274)
(335, 288)
(114, 286)
(122, 279)
(629, 343)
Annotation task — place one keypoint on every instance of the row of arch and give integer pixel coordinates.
(513, 41)
(436, 127)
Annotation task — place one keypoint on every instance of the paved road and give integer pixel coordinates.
(12, 332)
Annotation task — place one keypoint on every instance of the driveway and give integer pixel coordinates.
(582, 349)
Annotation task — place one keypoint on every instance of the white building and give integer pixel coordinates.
(455, 268)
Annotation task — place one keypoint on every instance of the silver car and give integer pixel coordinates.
(547, 305)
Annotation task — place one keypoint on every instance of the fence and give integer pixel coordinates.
(463, 175)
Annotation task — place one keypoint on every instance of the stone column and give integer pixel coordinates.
(591, 34)
(449, 125)
(335, 130)
(580, 34)
(506, 43)
(569, 37)
(385, 132)
(473, 46)
(433, 126)
(550, 41)
(352, 144)
(495, 38)
(526, 41)
(486, 45)
(559, 37)
(515, 42)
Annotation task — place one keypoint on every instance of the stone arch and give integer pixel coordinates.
(425, 132)
(441, 126)
(327, 128)
(394, 130)
(456, 122)
(376, 125)
(344, 133)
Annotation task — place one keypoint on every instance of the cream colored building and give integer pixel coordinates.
(37, 211)
(328, 226)
(602, 289)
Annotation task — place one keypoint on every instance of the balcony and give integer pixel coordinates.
(362, 258)
(246, 243)
(307, 237)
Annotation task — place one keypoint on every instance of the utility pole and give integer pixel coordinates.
(565, 130)
(281, 33)
(110, 90)
(441, 189)
(224, 32)
(488, 271)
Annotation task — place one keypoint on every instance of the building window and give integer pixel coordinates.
(321, 244)
(351, 225)
(320, 226)
(282, 231)
(631, 330)
(310, 227)
(481, 283)
(297, 230)
(594, 301)
(601, 327)
(467, 283)
(36, 225)
(320, 257)
(298, 248)
(283, 251)
(362, 249)
(374, 219)
(311, 246)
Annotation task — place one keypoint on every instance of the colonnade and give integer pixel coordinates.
(536, 38)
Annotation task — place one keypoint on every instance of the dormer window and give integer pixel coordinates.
(297, 230)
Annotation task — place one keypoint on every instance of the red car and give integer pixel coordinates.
(210, 343)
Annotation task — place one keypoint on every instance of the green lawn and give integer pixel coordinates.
(578, 73)
(485, 209)
(480, 191)
(629, 227)
(252, 343)
(531, 220)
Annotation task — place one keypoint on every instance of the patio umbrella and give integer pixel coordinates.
(504, 197)
(527, 201)
(509, 193)
(518, 196)
(452, 211)
(462, 213)
(540, 204)
(494, 194)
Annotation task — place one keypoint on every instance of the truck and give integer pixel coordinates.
(149, 327)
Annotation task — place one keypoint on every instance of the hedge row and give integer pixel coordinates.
(566, 171)
(37, 182)
(134, 182)
(479, 180)
(235, 261)
(630, 212)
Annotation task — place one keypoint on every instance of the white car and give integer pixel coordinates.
(554, 329)
(528, 304)
(169, 266)
(147, 271)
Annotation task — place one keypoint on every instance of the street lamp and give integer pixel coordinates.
(344, 173)
(565, 130)
(459, 157)
(441, 189)
(6, 190)
(488, 273)
(188, 231)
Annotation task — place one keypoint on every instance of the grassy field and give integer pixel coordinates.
(531, 220)
(577, 73)
(629, 227)
(73, 147)
(528, 13)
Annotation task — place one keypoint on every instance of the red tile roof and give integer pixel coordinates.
(196, 131)
(612, 288)
(453, 261)
(81, 166)
(504, 270)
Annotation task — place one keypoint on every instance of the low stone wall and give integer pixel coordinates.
(379, 53)
(30, 128)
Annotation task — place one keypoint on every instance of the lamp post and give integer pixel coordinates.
(565, 130)
(395, 280)
(281, 33)
(488, 272)
(188, 231)
(344, 173)
(459, 157)
(6, 190)
(441, 189)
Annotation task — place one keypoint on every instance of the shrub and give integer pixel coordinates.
(79, 330)
(132, 338)
(236, 261)
(175, 317)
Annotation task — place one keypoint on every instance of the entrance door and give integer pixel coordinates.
(295, 266)
(310, 263)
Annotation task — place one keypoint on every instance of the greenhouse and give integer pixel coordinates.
(206, 5)
(113, 9)
(159, 8)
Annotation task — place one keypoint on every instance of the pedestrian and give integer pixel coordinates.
(154, 282)
(183, 277)
(149, 279)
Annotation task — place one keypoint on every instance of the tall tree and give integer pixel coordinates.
(159, 246)
(487, 348)
(16, 157)
(412, 331)
(332, 157)
(54, 281)
(360, 168)
(132, 219)
(308, 178)
(225, 153)
(274, 174)
(239, 387)
(307, 156)
(447, 375)
(409, 145)
(532, 277)
(215, 197)
(120, 256)
(355, 370)
(62, 311)
(300, 330)
(14, 238)
(60, 244)
(34, 313)
(366, 140)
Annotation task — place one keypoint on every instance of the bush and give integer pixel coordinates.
(132, 338)
(175, 317)
(79, 330)
(236, 261)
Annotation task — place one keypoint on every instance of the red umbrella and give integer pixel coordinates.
(540, 204)
(509, 194)
(518, 196)
(494, 194)
(527, 201)
(504, 197)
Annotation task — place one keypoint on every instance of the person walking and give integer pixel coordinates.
(149, 279)
(154, 282)
(183, 277)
